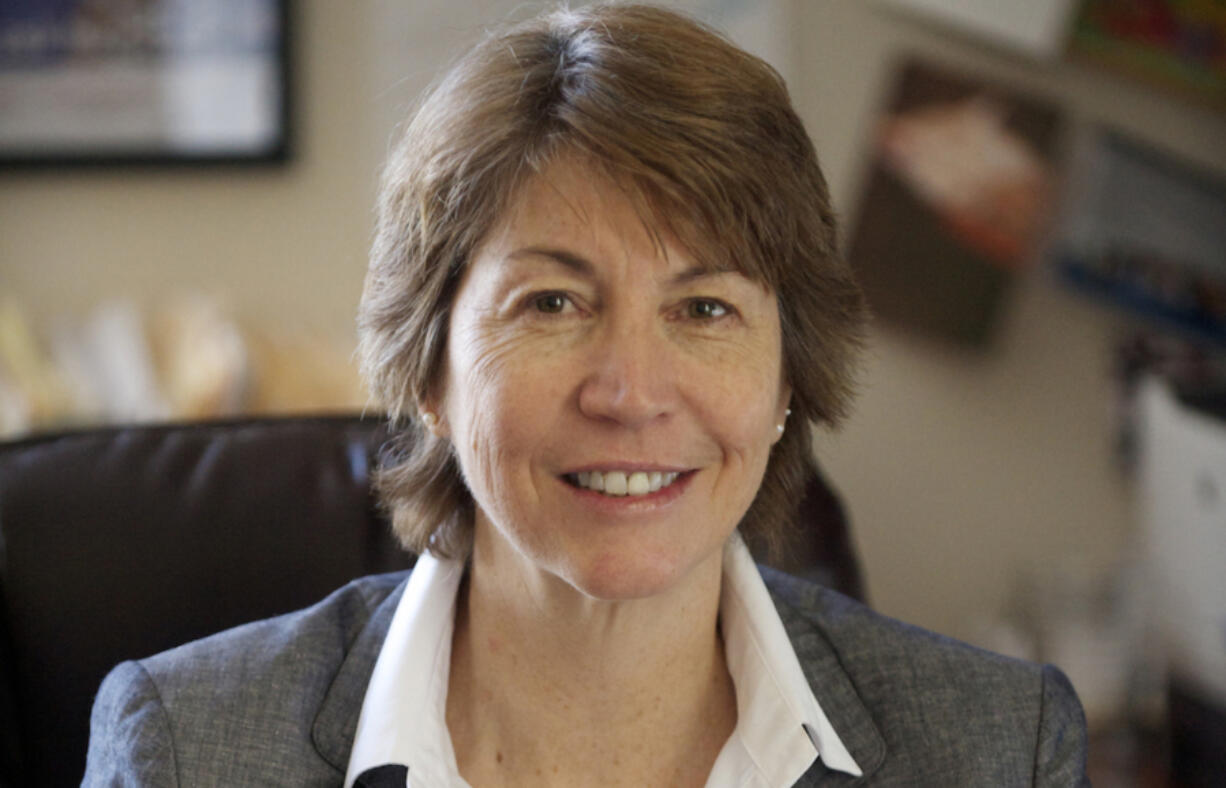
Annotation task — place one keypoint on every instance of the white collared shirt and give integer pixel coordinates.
(780, 730)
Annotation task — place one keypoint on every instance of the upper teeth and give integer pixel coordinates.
(622, 483)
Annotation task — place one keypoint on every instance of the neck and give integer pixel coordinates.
(545, 677)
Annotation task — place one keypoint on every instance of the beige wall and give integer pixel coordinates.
(278, 244)
(959, 469)
(963, 469)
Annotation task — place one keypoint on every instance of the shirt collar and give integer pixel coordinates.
(404, 713)
(780, 722)
(781, 727)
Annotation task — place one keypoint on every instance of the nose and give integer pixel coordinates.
(630, 376)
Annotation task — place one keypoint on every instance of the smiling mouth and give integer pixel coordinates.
(621, 484)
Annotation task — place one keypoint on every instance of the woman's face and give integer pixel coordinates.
(579, 348)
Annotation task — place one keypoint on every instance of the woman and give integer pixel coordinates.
(605, 283)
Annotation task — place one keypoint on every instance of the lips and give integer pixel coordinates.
(617, 483)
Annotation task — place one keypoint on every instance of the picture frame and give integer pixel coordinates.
(955, 202)
(1145, 231)
(144, 82)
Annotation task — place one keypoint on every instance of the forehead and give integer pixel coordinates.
(576, 204)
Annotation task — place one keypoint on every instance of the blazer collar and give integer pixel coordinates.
(833, 688)
(337, 719)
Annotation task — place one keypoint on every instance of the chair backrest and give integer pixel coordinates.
(118, 543)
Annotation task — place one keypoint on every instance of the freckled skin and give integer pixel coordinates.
(550, 369)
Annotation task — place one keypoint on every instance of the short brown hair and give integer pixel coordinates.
(705, 136)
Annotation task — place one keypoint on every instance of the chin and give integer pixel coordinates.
(613, 578)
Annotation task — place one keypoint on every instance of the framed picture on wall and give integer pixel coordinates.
(143, 81)
(956, 200)
(1146, 232)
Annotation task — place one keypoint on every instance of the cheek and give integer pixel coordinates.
(480, 367)
(500, 399)
(738, 395)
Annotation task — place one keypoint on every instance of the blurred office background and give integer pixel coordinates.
(995, 470)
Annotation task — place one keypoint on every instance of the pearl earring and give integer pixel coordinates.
(787, 412)
(429, 419)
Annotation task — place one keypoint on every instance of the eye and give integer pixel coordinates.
(550, 303)
(706, 309)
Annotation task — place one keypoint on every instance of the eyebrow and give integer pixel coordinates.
(584, 267)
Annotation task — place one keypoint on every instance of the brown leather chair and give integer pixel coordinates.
(118, 543)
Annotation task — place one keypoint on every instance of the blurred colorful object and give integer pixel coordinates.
(1183, 506)
(148, 81)
(1146, 232)
(986, 183)
(1179, 44)
(957, 200)
(184, 359)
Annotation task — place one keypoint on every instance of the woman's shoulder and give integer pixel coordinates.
(871, 640)
(321, 632)
(245, 705)
(933, 699)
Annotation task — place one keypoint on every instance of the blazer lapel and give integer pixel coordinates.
(835, 692)
(337, 719)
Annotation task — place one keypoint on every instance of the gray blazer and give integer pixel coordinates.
(276, 702)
